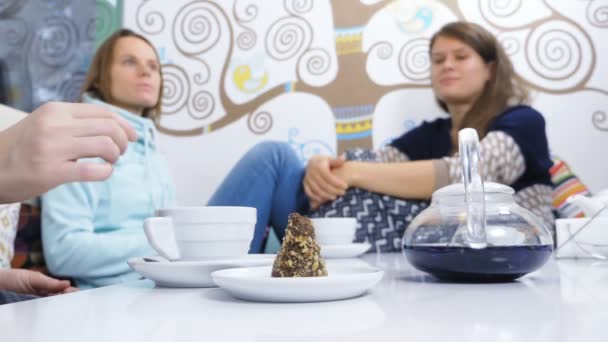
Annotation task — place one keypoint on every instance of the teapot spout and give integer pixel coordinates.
(590, 206)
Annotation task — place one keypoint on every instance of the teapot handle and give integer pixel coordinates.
(468, 145)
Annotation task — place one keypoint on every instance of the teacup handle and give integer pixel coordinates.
(468, 146)
(160, 234)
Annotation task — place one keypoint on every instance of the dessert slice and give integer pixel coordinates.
(300, 255)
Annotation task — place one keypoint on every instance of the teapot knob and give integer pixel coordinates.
(468, 146)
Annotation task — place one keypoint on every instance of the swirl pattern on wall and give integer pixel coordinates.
(48, 46)
(201, 105)
(9, 8)
(245, 13)
(196, 28)
(176, 89)
(246, 40)
(414, 62)
(259, 122)
(600, 120)
(313, 63)
(149, 21)
(383, 50)
(55, 44)
(69, 90)
(298, 7)
(597, 13)
(103, 24)
(309, 148)
(203, 76)
(14, 31)
(491, 10)
(511, 45)
(91, 29)
(557, 51)
(288, 37)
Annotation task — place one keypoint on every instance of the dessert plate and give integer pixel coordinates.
(192, 273)
(256, 284)
(350, 250)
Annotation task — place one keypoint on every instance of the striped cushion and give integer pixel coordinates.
(566, 184)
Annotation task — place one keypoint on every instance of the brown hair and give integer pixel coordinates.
(503, 89)
(98, 79)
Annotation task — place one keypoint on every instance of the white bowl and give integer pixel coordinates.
(335, 230)
(214, 231)
(201, 250)
(194, 233)
(210, 214)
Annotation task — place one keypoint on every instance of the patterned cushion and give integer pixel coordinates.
(566, 184)
(381, 219)
(9, 214)
(28, 242)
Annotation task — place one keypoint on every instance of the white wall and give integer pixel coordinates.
(558, 46)
(9, 116)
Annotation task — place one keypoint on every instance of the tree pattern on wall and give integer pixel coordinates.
(552, 52)
(46, 45)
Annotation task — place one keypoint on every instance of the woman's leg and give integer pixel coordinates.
(7, 297)
(269, 178)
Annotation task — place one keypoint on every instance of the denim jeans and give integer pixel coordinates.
(269, 178)
(7, 297)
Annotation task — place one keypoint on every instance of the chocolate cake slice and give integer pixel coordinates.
(300, 255)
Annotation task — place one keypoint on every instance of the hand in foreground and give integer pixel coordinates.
(41, 151)
(34, 283)
(320, 184)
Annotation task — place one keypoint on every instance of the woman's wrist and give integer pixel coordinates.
(5, 171)
(352, 173)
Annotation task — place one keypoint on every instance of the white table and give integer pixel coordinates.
(564, 301)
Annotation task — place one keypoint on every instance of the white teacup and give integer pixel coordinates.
(335, 230)
(194, 233)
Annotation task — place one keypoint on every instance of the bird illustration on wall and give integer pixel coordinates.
(248, 80)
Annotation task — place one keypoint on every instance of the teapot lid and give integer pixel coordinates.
(488, 187)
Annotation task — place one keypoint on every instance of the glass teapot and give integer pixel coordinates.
(474, 231)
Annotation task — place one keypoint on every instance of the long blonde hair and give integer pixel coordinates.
(98, 80)
(503, 89)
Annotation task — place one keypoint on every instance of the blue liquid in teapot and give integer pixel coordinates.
(486, 265)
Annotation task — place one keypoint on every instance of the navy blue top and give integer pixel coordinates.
(431, 140)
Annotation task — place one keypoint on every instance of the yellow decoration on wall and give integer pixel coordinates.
(245, 82)
(354, 127)
(348, 43)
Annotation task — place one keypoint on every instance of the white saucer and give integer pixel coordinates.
(350, 250)
(191, 273)
(256, 284)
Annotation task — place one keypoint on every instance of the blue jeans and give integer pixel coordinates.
(8, 297)
(269, 178)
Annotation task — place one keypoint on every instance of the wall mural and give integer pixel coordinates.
(46, 46)
(236, 69)
(108, 18)
(557, 55)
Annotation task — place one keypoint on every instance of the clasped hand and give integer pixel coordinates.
(326, 178)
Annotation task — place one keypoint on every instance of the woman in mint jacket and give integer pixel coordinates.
(90, 230)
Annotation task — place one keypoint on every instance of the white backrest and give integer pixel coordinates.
(9, 116)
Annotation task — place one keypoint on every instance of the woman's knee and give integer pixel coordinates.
(275, 151)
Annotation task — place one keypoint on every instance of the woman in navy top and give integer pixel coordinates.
(474, 81)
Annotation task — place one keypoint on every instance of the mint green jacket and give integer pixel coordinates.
(90, 230)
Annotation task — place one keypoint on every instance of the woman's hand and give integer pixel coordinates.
(34, 283)
(346, 173)
(320, 184)
(41, 151)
